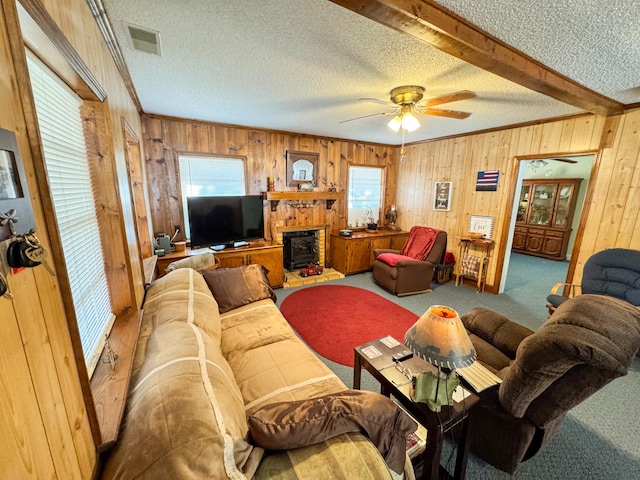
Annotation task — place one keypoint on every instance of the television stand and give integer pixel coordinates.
(224, 246)
(263, 252)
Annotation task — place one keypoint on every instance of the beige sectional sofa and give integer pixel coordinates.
(198, 374)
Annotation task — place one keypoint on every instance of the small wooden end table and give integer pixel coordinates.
(484, 245)
(395, 382)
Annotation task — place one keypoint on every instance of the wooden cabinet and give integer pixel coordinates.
(355, 254)
(269, 257)
(264, 253)
(545, 212)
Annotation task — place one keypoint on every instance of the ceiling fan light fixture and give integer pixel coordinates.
(535, 164)
(395, 123)
(409, 122)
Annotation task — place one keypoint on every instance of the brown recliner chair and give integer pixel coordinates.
(589, 341)
(410, 270)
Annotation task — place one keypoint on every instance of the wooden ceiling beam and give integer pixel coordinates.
(435, 25)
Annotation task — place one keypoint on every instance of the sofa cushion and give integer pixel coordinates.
(392, 258)
(345, 457)
(287, 425)
(235, 287)
(185, 416)
(270, 363)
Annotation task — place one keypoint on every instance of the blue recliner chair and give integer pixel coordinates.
(614, 272)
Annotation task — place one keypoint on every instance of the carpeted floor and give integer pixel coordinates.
(599, 439)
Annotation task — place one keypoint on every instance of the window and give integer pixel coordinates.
(65, 154)
(365, 194)
(209, 177)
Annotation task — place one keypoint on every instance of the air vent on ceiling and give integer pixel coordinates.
(144, 40)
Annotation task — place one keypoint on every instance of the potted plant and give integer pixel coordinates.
(372, 224)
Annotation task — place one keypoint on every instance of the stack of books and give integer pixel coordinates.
(416, 441)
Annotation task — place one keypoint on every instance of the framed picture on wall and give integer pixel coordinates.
(482, 224)
(302, 167)
(16, 213)
(442, 196)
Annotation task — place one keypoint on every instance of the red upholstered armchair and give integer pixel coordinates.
(410, 270)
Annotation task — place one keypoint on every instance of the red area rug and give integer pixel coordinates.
(333, 319)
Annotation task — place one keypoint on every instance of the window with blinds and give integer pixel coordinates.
(365, 194)
(67, 166)
(202, 176)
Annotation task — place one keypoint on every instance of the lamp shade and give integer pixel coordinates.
(439, 337)
(395, 123)
(409, 122)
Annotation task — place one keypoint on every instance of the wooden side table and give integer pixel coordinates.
(484, 247)
(394, 382)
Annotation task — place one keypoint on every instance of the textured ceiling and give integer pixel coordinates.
(302, 65)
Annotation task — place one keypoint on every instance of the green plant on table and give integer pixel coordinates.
(369, 215)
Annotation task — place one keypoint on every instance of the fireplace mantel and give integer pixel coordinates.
(303, 198)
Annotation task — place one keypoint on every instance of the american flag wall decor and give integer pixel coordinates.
(487, 181)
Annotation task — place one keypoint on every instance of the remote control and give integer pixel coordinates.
(403, 355)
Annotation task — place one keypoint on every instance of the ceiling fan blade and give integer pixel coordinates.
(438, 112)
(450, 97)
(565, 160)
(377, 100)
(367, 116)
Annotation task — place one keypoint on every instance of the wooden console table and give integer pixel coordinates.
(474, 266)
(355, 253)
(263, 252)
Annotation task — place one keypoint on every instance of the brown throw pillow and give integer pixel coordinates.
(287, 425)
(235, 287)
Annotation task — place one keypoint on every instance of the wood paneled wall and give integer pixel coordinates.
(45, 425)
(614, 186)
(265, 153)
(610, 215)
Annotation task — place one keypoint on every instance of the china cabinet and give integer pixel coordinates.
(545, 213)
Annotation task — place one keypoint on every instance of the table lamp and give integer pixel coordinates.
(439, 337)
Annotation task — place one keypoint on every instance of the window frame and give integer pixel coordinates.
(378, 213)
(70, 162)
(183, 196)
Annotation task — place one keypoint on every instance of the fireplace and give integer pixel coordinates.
(300, 248)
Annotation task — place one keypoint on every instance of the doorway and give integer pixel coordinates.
(535, 275)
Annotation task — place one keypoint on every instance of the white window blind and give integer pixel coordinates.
(67, 166)
(202, 176)
(365, 193)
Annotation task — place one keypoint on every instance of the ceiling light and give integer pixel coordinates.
(395, 123)
(409, 122)
(405, 120)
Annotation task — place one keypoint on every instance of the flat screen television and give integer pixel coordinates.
(225, 220)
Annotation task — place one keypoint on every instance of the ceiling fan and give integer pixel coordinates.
(535, 164)
(407, 100)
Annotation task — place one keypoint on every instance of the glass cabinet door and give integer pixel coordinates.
(564, 199)
(523, 203)
(542, 204)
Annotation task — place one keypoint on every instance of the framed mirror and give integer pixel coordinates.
(302, 167)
